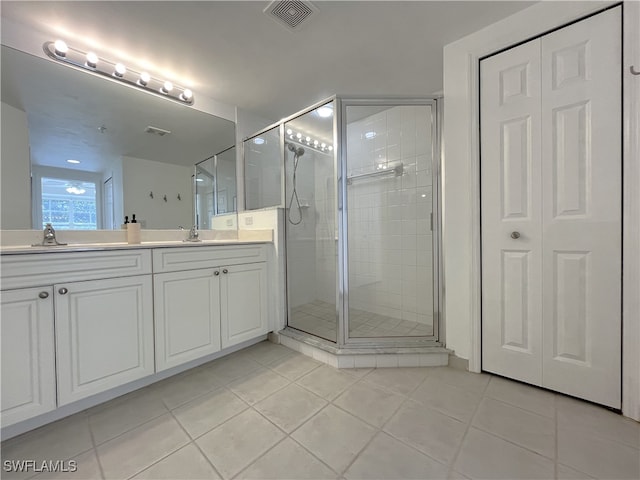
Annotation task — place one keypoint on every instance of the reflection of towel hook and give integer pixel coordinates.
(164, 198)
(179, 197)
(151, 194)
(633, 71)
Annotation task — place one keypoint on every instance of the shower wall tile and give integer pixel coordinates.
(389, 218)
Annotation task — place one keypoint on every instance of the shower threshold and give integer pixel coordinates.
(425, 354)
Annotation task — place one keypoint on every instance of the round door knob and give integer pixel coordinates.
(43, 294)
(63, 291)
(225, 271)
(515, 235)
(216, 273)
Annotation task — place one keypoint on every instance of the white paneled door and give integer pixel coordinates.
(551, 210)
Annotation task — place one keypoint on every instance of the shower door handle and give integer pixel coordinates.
(340, 194)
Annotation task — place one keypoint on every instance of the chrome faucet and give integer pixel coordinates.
(49, 237)
(193, 235)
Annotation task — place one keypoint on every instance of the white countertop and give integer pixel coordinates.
(14, 242)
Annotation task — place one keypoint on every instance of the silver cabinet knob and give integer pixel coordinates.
(43, 294)
(225, 271)
(63, 291)
(216, 273)
(515, 235)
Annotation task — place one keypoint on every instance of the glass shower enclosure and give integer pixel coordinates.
(358, 179)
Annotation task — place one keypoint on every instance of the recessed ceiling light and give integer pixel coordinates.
(73, 161)
(258, 140)
(370, 135)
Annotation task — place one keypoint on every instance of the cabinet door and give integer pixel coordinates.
(187, 316)
(243, 291)
(104, 335)
(28, 363)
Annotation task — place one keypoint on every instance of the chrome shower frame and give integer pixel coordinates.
(342, 268)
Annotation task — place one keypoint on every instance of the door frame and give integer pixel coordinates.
(463, 58)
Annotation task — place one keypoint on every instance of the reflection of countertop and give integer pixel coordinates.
(19, 242)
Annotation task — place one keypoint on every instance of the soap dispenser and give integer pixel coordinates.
(133, 231)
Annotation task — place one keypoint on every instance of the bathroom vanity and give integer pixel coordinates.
(78, 322)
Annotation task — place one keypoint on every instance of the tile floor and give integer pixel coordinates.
(267, 412)
(319, 318)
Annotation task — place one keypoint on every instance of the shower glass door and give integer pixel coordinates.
(390, 198)
(311, 222)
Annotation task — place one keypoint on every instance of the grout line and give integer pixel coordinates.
(193, 442)
(466, 432)
(95, 448)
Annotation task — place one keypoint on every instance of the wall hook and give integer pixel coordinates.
(164, 198)
(633, 70)
(151, 194)
(179, 197)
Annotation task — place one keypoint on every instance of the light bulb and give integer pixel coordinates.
(323, 145)
(370, 135)
(186, 95)
(119, 70)
(92, 60)
(61, 48)
(167, 87)
(308, 139)
(289, 131)
(325, 111)
(144, 79)
(258, 140)
(73, 161)
(315, 143)
(299, 135)
(330, 148)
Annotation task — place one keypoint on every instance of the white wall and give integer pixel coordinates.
(15, 170)
(140, 177)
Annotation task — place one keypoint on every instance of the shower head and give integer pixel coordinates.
(299, 151)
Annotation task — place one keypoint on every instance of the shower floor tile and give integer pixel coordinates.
(319, 318)
(496, 429)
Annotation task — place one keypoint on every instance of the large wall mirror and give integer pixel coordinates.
(82, 152)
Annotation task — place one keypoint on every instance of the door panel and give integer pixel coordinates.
(28, 362)
(187, 316)
(510, 177)
(243, 291)
(551, 171)
(581, 216)
(104, 335)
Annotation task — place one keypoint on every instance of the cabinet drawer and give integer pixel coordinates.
(190, 258)
(32, 270)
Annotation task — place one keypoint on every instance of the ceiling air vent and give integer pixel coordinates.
(290, 13)
(157, 131)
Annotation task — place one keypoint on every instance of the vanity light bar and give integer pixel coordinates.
(307, 141)
(61, 52)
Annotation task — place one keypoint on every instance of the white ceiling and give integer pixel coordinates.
(232, 52)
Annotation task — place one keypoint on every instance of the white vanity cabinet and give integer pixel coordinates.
(207, 298)
(187, 314)
(28, 361)
(243, 303)
(103, 318)
(104, 334)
